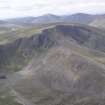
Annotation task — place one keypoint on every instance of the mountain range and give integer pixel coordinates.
(50, 18)
(53, 60)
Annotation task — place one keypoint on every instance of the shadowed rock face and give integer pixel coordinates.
(84, 36)
(75, 32)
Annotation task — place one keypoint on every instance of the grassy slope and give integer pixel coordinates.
(9, 36)
(7, 99)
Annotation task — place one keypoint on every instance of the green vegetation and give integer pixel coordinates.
(9, 36)
(7, 99)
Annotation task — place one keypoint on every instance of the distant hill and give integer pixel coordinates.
(50, 18)
(79, 18)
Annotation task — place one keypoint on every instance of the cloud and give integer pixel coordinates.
(18, 8)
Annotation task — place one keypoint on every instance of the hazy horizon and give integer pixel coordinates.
(34, 8)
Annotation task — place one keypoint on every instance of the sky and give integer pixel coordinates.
(22, 8)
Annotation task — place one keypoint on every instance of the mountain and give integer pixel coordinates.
(66, 71)
(63, 64)
(21, 21)
(64, 77)
(80, 18)
(2, 22)
(52, 60)
(48, 18)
